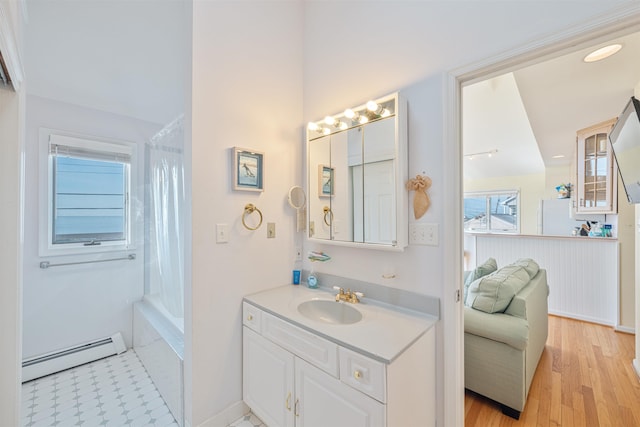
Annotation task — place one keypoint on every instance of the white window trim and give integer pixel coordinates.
(494, 193)
(45, 246)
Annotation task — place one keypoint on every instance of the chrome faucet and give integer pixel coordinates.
(348, 296)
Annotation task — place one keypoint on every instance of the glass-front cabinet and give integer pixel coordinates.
(597, 172)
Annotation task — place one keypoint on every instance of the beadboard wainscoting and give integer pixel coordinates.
(583, 273)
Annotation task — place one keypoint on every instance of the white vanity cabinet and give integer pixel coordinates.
(295, 378)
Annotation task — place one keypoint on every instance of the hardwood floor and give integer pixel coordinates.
(584, 378)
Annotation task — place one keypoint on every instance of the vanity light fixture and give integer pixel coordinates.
(352, 117)
(558, 156)
(489, 153)
(602, 53)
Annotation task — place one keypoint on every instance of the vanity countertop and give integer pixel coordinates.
(384, 332)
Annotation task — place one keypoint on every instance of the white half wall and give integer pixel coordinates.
(70, 305)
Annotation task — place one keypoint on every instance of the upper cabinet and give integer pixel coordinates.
(597, 189)
(357, 166)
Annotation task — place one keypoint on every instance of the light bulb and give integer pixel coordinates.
(385, 112)
(312, 126)
(349, 113)
(342, 125)
(326, 131)
(372, 106)
(363, 120)
(329, 120)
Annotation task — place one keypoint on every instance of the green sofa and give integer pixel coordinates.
(503, 348)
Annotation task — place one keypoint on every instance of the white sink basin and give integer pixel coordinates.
(330, 312)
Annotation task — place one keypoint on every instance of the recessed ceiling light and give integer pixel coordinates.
(602, 53)
(558, 156)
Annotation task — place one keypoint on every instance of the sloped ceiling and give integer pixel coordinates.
(558, 97)
(123, 57)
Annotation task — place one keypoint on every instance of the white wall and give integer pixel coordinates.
(70, 305)
(397, 45)
(11, 188)
(247, 92)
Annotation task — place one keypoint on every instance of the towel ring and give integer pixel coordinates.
(250, 208)
(328, 215)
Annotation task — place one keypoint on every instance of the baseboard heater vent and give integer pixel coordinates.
(57, 361)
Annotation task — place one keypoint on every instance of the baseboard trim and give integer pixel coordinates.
(636, 367)
(625, 329)
(582, 318)
(227, 416)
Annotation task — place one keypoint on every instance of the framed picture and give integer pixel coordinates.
(326, 181)
(248, 169)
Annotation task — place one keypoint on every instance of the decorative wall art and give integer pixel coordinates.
(326, 184)
(248, 170)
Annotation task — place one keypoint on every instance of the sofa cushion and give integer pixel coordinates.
(529, 265)
(510, 330)
(494, 292)
(488, 267)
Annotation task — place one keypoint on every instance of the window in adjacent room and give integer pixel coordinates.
(493, 212)
(87, 195)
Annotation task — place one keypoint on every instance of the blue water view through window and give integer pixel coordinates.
(89, 200)
(491, 212)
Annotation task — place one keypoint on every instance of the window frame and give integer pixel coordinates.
(488, 195)
(46, 245)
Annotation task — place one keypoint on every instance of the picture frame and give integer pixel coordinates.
(248, 169)
(326, 181)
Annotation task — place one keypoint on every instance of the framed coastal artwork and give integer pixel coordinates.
(248, 169)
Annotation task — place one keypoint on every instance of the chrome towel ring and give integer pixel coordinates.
(250, 208)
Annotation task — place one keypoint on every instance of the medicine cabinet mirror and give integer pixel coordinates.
(357, 168)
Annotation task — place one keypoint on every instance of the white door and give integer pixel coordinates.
(267, 380)
(322, 401)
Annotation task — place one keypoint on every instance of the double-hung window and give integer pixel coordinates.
(88, 195)
(492, 212)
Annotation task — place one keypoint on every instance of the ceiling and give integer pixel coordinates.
(532, 114)
(122, 57)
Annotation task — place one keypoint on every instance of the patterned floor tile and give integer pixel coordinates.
(249, 420)
(113, 391)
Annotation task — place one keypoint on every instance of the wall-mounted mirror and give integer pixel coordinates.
(357, 167)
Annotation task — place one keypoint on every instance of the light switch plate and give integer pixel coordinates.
(271, 230)
(423, 234)
(222, 233)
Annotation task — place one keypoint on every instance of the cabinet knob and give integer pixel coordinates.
(357, 375)
(250, 317)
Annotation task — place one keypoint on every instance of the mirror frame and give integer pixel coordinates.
(401, 174)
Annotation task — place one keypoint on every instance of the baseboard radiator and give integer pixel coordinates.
(71, 357)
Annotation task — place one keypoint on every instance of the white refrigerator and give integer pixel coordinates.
(554, 218)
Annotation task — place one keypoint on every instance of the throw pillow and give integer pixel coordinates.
(488, 267)
(493, 293)
(530, 265)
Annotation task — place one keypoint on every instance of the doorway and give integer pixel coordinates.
(554, 46)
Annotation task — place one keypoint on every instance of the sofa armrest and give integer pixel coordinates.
(504, 328)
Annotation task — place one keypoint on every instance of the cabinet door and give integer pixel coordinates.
(322, 401)
(597, 177)
(267, 380)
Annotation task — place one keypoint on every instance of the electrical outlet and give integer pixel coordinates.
(423, 234)
(298, 253)
(271, 230)
(222, 233)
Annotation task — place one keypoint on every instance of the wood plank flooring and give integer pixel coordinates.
(584, 378)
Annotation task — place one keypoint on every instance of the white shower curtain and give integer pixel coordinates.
(166, 228)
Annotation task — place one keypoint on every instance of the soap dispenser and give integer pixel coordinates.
(312, 280)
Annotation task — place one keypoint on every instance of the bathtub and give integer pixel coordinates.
(158, 340)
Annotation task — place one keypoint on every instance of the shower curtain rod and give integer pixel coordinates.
(47, 264)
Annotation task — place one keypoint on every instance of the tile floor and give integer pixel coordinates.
(115, 391)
